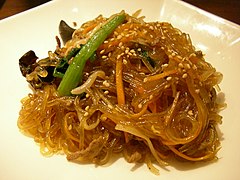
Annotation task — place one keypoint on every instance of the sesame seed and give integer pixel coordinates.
(151, 27)
(87, 108)
(104, 118)
(112, 39)
(164, 65)
(162, 48)
(190, 112)
(87, 74)
(145, 80)
(124, 61)
(180, 65)
(102, 51)
(197, 90)
(118, 56)
(106, 92)
(132, 51)
(139, 49)
(139, 105)
(110, 106)
(169, 78)
(105, 42)
(151, 36)
(104, 57)
(166, 86)
(105, 83)
(86, 114)
(130, 54)
(69, 127)
(163, 37)
(173, 54)
(87, 95)
(184, 75)
(120, 44)
(119, 36)
(188, 66)
(151, 97)
(179, 57)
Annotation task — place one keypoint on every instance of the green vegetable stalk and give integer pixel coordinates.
(73, 75)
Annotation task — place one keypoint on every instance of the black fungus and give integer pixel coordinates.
(65, 31)
(27, 63)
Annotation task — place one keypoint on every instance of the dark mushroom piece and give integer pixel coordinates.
(65, 31)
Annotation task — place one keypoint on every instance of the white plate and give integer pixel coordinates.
(36, 29)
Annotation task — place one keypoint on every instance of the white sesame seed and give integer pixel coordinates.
(197, 90)
(188, 66)
(132, 51)
(139, 105)
(124, 61)
(86, 114)
(190, 112)
(180, 65)
(104, 118)
(105, 83)
(104, 57)
(105, 42)
(151, 97)
(164, 65)
(87, 95)
(151, 27)
(169, 78)
(139, 49)
(120, 44)
(184, 75)
(110, 106)
(69, 127)
(163, 37)
(179, 57)
(106, 92)
(87, 108)
(166, 86)
(118, 56)
(102, 51)
(119, 36)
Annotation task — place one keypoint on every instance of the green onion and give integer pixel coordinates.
(73, 75)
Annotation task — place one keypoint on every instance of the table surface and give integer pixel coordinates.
(227, 9)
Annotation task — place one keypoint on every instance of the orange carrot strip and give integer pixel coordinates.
(159, 76)
(119, 82)
(89, 28)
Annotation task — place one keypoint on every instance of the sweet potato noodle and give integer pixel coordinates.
(148, 95)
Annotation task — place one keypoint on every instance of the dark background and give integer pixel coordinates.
(227, 9)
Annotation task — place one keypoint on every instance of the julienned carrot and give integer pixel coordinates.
(159, 76)
(119, 82)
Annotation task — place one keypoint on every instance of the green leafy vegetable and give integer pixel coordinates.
(73, 75)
